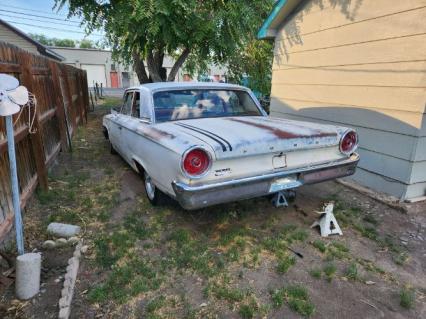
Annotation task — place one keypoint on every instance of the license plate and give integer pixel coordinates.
(284, 183)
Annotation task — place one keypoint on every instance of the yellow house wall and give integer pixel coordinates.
(360, 63)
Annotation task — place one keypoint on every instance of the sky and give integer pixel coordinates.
(37, 16)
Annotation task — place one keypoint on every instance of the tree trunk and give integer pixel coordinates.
(158, 62)
(139, 68)
(153, 68)
(178, 64)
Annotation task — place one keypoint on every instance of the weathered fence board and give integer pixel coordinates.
(62, 103)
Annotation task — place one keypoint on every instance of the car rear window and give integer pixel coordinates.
(188, 104)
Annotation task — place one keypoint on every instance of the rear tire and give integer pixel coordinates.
(112, 149)
(152, 192)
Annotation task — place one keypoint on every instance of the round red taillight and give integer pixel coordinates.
(196, 162)
(349, 142)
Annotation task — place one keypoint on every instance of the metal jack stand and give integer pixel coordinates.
(279, 200)
(327, 222)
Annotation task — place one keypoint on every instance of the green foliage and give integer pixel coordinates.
(316, 273)
(41, 38)
(205, 31)
(155, 304)
(352, 272)
(407, 298)
(226, 293)
(246, 311)
(296, 297)
(253, 65)
(66, 43)
(87, 44)
(285, 263)
(329, 270)
(320, 245)
(132, 278)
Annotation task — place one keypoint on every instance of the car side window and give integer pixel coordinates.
(127, 103)
(145, 109)
(136, 105)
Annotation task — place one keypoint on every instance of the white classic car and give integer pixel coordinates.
(209, 143)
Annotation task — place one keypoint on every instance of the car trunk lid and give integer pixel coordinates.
(255, 135)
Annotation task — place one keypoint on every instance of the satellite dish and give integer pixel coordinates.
(11, 95)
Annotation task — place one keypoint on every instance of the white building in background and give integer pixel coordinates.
(101, 68)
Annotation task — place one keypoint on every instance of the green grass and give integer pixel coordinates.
(284, 264)
(296, 297)
(130, 279)
(233, 253)
(315, 273)
(329, 271)
(298, 235)
(104, 256)
(109, 102)
(400, 258)
(248, 311)
(278, 243)
(320, 245)
(371, 219)
(352, 272)
(187, 253)
(224, 292)
(366, 225)
(367, 231)
(155, 304)
(337, 251)
(407, 298)
(370, 266)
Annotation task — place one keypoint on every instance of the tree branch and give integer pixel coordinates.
(139, 67)
(178, 64)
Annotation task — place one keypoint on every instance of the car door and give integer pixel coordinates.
(137, 146)
(117, 134)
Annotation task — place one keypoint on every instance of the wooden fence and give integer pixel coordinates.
(62, 103)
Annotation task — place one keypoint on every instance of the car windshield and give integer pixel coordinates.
(201, 103)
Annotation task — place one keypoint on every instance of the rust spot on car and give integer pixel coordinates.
(280, 133)
(156, 134)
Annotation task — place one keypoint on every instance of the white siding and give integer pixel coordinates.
(6, 35)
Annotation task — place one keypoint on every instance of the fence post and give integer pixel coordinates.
(69, 97)
(36, 139)
(86, 93)
(80, 96)
(60, 109)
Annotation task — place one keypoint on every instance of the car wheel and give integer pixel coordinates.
(152, 192)
(112, 149)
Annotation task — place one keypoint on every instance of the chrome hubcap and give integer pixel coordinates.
(149, 186)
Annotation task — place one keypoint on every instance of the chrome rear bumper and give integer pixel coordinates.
(193, 197)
